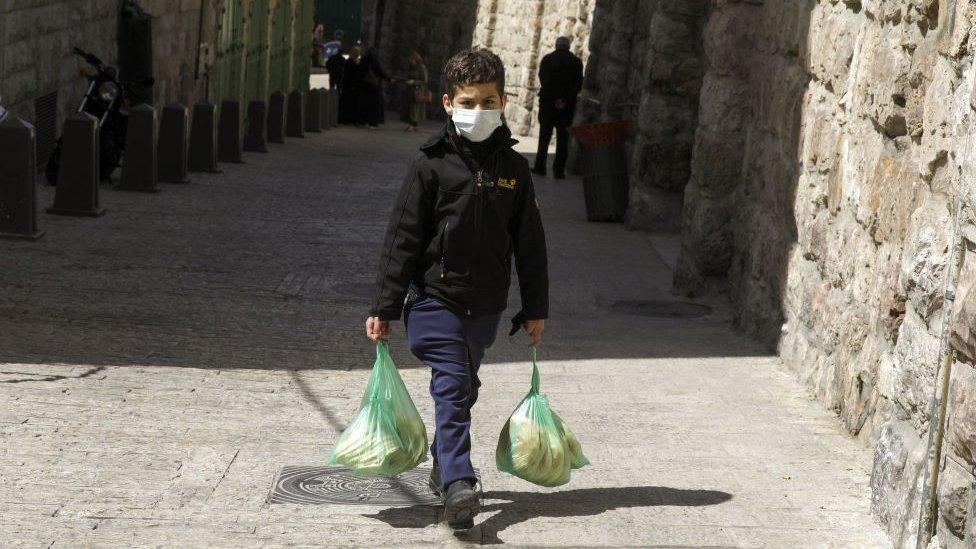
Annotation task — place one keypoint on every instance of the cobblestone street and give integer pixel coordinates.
(159, 365)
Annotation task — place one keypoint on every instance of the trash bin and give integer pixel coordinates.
(604, 168)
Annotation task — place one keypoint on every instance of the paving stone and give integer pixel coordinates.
(155, 379)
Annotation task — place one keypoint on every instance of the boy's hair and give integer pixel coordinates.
(474, 66)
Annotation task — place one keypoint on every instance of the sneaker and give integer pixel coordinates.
(539, 171)
(461, 504)
(434, 482)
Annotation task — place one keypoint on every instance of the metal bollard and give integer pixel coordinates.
(326, 102)
(256, 138)
(276, 118)
(171, 151)
(77, 192)
(139, 163)
(313, 112)
(18, 195)
(202, 156)
(334, 97)
(229, 145)
(295, 120)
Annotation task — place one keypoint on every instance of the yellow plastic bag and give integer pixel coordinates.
(535, 444)
(387, 437)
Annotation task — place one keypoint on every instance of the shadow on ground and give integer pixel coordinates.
(270, 264)
(519, 507)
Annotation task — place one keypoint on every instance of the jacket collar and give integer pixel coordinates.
(502, 137)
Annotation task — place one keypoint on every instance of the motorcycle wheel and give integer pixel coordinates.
(53, 164)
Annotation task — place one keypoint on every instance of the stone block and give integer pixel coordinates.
(955, 22)
(173, 145)
(313, 111)
(77, 192)
(139, 166)
(18, 193)
(276, 117)
(955, 495)
(202, 156)
(924, 256)
(971, 525)
(881, 80)
(908, 382)
(295, 117)
(833, 39)
(256, 136)
(728, 41)
(230, 132)
(961, 423)
(899, 459)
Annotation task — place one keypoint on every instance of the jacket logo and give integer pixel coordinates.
(507, 183)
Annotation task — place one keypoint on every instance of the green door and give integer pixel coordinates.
(280, 54)
(230, 51)
(302, 54)
(256, 72)
(343, 19)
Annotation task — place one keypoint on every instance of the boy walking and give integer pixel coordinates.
(465, 208)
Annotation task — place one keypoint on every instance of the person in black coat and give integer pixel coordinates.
(351, 88)
(371, 90)
(561, 79)
(335, 64)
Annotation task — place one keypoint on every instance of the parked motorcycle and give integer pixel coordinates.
(107, 99)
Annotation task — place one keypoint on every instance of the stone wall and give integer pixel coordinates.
(434, 29)
(519, 31)
(647, 69)
(37, 37)
(833, 139)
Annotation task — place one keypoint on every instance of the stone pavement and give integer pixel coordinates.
(159, 365)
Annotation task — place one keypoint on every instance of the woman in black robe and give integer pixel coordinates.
(352, 88)
(371, 90)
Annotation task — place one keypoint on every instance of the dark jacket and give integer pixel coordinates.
(335, 65)
(453, 234)
(560, 77)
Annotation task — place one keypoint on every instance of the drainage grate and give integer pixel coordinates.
(45, 126)
(662, 309)
(317, 485)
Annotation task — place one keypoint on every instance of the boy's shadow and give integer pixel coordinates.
(523, 506)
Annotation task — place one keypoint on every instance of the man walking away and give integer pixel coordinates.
(561, 79)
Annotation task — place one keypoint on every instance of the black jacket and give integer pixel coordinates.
(453, 234)
(560, 77)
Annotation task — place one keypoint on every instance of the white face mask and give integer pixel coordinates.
(476, 124)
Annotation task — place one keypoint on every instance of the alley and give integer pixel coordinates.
(159, 366)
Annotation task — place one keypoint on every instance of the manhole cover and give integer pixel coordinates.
(361, 290)
(662, 309)
(316, 485)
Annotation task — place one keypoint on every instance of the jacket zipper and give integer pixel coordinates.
(447, 225)
(478, 185)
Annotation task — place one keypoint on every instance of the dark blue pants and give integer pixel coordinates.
(452, 346)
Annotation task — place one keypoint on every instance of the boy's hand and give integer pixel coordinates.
(534, 328)
(377, 329)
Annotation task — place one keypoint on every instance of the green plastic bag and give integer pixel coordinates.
(535, 444)
(387, 437)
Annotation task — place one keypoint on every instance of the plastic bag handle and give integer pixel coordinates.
(535, 370)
